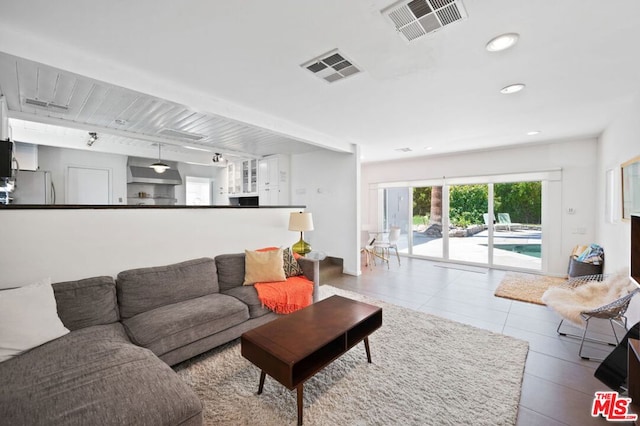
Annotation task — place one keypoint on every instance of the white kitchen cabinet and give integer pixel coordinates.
(249, 176)
(27, 155)
(273, 180)
(269, 196)
(243, 179)
(235, 178)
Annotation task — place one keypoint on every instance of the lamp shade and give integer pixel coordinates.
(300, 222)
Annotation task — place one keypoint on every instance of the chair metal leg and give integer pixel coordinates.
(367, 262)
(583, 338)
(584, 334)
(385, 254)
(397, 255)
(614, 332)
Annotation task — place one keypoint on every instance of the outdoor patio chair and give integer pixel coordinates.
(582, 299)
(496, 225)
(505, 220)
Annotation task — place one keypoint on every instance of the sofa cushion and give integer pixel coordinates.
(169, 327)
(249, 296)
(28, 318)
(144, 289)
(94, 376)
(230, 270)
(87, 302)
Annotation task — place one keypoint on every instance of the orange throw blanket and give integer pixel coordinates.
(285, 297)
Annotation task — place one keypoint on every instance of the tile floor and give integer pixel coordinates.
(558, 387)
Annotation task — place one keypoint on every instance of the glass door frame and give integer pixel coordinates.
(543, 176)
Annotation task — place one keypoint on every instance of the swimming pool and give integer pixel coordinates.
(532, 250)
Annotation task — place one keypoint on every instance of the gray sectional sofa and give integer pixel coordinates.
(113, 368)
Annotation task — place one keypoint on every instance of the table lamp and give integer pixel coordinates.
(301, 222)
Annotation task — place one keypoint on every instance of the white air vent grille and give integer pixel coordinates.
(331, 66)
(179, 134)
(44, 104)
(416, 18)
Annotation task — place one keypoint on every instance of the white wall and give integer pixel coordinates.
(618, 143)
(57, 160)
(70, 244)
(577, 159)
(327, 183)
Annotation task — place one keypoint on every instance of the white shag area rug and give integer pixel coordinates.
(426, 370)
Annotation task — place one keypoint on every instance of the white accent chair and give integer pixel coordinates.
(382, 248)
(582, 299)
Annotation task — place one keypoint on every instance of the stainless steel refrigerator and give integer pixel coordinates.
(33, 188)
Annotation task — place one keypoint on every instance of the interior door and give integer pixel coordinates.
(88, 186)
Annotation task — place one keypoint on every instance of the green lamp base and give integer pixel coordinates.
(301, 247)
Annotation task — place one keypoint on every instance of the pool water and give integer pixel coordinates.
(532, 250)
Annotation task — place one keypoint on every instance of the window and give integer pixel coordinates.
(198, 191)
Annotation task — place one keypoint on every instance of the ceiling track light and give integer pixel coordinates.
(217, 158)
(159, 166)
(93, 136)
(512, 88)
(502, 42)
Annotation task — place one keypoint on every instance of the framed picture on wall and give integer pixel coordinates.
(630, 188)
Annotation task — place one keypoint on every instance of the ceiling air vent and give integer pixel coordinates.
(44, 104)
(179, 134)
(331, 66)
(417, 18)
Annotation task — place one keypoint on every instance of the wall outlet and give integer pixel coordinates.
(571, 210)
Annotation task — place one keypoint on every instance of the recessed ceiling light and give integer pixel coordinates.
(428, 148)
(533, 133)
(512, 88)
(502, 42)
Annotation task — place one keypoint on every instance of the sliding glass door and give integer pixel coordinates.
(517, 237)
(396, 214)
(492, 224)
(468, 239)
(427, 229)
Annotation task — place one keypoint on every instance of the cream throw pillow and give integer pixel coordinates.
(28, 318)
(263, 267)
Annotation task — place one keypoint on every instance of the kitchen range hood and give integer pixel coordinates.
(145, 174)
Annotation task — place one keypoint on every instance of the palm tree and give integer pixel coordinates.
(435, 215)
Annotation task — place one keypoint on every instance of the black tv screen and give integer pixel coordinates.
(6, 154)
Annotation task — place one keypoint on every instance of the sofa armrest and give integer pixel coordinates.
(311, 269)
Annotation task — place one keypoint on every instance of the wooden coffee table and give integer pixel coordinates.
(293, 348)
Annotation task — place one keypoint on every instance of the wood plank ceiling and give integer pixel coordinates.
(41, 93)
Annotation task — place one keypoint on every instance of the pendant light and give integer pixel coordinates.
(159, 166)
